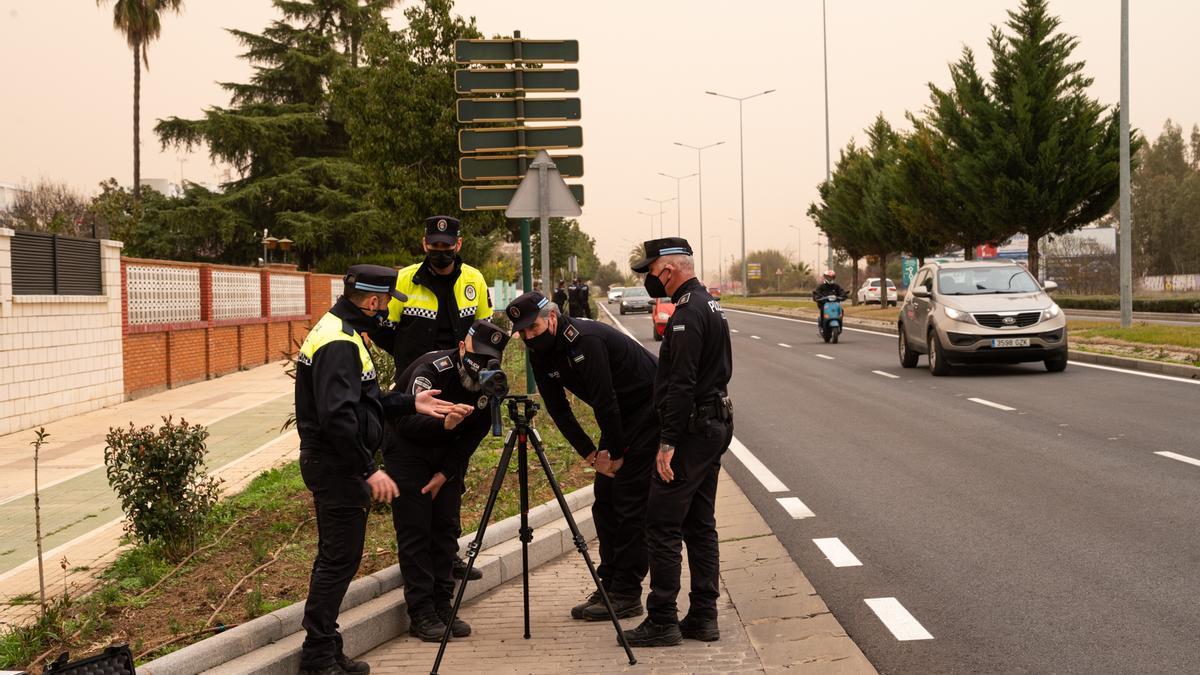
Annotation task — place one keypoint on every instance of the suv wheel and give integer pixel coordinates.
(1057, 364)
(908, 358)
(937, 356)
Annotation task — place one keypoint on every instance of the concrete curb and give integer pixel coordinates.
(373, 611)
(1124, 362)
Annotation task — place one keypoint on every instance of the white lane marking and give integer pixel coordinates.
(823, 356)
(880, 372)
(784, 345)
(1182, 458)
(811, 323)
(796, 508)
(734, 330)
(764, 475)
(836, 551)
(897, 619)
(1139, 373)
(991, 404)
(756, 467)
(755, 337)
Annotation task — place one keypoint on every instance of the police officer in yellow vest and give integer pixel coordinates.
(340, 418)
(445, 296)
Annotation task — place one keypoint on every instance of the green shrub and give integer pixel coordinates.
(1181, 305)
(160, 479)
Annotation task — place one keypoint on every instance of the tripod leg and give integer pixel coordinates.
(526, 531)
(577, 537)
(473, 548)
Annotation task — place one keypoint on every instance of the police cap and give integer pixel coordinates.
(660, 247)
(487, 339)
(442, 229)
(523, 311)
(373, 279)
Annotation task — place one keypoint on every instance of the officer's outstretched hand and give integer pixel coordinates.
(427, 404)
(452, 419)
(383, 488)
(663, 462)
(434, 485)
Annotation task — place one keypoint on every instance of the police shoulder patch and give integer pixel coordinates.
(684, 299)
(421, 384)
(571, 333)
(469, 291)
(482, 402)
(443, 364)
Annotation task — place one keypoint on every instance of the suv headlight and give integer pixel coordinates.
(958, 315)
(1051, 312)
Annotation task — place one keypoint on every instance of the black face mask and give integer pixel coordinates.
(654, 286)
(474, 363)
(542, 342)
(440, 259)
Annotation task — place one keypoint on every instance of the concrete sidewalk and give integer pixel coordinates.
(771, 619)
(81, 516)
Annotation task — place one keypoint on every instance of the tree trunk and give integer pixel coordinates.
(854, 282)
(968, 252)
(1034, 260)
(883, 294)
(137, 123)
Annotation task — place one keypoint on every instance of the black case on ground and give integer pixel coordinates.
(115, 660)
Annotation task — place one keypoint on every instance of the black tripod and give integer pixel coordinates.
(521, 410)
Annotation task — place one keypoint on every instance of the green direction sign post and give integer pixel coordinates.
(510, 110)
(495, 80)
(508, 167)
(508, 139)
(497, 197)
(505, 51)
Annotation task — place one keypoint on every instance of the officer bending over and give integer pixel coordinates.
(695, 363)
(339, 416)
(614, 374)
(428, 459)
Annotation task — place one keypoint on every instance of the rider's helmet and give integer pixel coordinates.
(829, 275)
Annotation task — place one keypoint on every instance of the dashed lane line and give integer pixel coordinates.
(824, 356)
(991, 404)
(1179, 457)
(796, 508)
(784, 345)
(755, 337)
(898, 620)
(837, 552)
(886, 374)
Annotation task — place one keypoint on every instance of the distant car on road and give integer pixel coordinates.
(636, 299)
(715, 291)
(663, 309)
(980, 312)
(869, 293)
(614, 294)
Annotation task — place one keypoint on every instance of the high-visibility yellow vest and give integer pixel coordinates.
(470, 296)
(331, 329)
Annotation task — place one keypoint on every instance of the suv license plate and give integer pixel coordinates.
(1010, 342)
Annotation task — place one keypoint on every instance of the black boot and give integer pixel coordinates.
(427, 627)
(459, 628)
(624, 606)
(650, 634)
(331, 669)
(351, 666)
(578, 610)
(459, 570)
(704, 630)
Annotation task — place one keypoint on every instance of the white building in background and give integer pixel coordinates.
(163, 186)
(9, 192)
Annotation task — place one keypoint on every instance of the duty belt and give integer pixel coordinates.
(718, 407)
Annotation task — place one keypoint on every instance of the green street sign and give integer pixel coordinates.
(497, 197)
(505, 139)
(495, 80)
(505, 51)
(505, 110)
(508, 167)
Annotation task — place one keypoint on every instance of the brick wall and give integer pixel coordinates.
(60, 355)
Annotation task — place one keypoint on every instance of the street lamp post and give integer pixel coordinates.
(700, 188)
(678, 201)
(742, 171)
(1126, 232)
(660, 203)
(651, 214)
(720, 272)
(825, 61)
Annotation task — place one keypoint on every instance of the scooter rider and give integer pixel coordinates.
(829, 286)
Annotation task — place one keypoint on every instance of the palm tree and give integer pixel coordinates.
(140, 22)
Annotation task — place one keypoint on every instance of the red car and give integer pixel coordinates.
(663, 309)
(715, 291)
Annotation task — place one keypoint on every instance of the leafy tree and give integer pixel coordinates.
(140, 21)
(49, 206)
(608, 275)
(1166, 204)
(566, 240)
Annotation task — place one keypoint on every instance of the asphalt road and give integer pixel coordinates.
(1033, 529)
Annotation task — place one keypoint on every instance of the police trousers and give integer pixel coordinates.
(426, 532)
(341, 504)
(680, 513)
(619, 512)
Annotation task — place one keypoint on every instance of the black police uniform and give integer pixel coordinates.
(613, 374)
(560, 297)
(339, 412)
(578, 300)
(824, 290)
(695, 364)
(419, 447)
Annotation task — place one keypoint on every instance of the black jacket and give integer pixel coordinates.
(427, 437)
(695, 361)
(334, 398)
(826, 289)
(608, 370)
